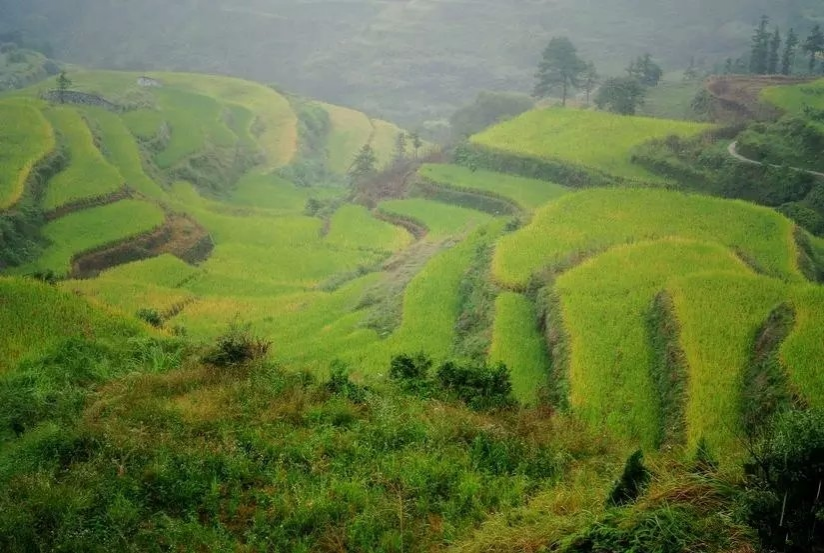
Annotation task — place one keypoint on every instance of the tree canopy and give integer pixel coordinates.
(560, 69)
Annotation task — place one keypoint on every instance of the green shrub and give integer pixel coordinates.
(411, 371)
(783, 499)
(480, 386)
(340, 384)
(237, 346)
(632, 483)
(150, 316)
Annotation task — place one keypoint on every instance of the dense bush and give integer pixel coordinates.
(479, 385)
(150, 316)
(236, 346)
(784, 498)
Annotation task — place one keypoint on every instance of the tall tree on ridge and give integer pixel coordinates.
(590, 79)
(759, 54)
(788, 56)
(775, 47)
(813, 45)
(560, 69)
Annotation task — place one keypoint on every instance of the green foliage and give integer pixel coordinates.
(560, 69)
(785, 472)
(622, 95)
(645, 71)
(479, 385)
(365, 163)
(411, 371)
(488, 109)
(632, 483)
(235, 347)
(340, 384)
(150, 316)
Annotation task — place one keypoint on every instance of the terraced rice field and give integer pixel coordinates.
(526, 193)
(591, 221)
(85, 230)
(275, 125)
(605, 303)
(431, 304)
(441, 220)
(719, 315)
(36, 316)
(384, 141)
(350, 130)
(122, 151)
(517, 343)
(88, 175)
(194, 121)
(26, 137)
(592, 139)
(353, 227)
(794, 98)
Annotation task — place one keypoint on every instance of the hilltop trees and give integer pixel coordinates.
(400, 146)
(560, 69)
(788, 56)
(645, 71)
(760, 52)
(775, 47)
(591, 79)
(814, 45)
(622, 95)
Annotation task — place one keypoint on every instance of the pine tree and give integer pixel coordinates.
(364, 164)
(728, 67)
(63, 85)
(759, 54)
(788, 56)
(417, 143)
(590, 79)
(400, 146)
(560, 69)
(775, 48)
(814, 45)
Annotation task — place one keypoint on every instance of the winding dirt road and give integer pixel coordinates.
(733, 150)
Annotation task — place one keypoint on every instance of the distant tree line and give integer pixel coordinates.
(562, 71)
(772, 53)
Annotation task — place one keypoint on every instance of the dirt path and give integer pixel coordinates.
(733, 151)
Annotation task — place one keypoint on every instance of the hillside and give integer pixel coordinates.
(213, 341)
(405, 61)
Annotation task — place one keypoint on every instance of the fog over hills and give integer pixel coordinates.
(410, 60)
